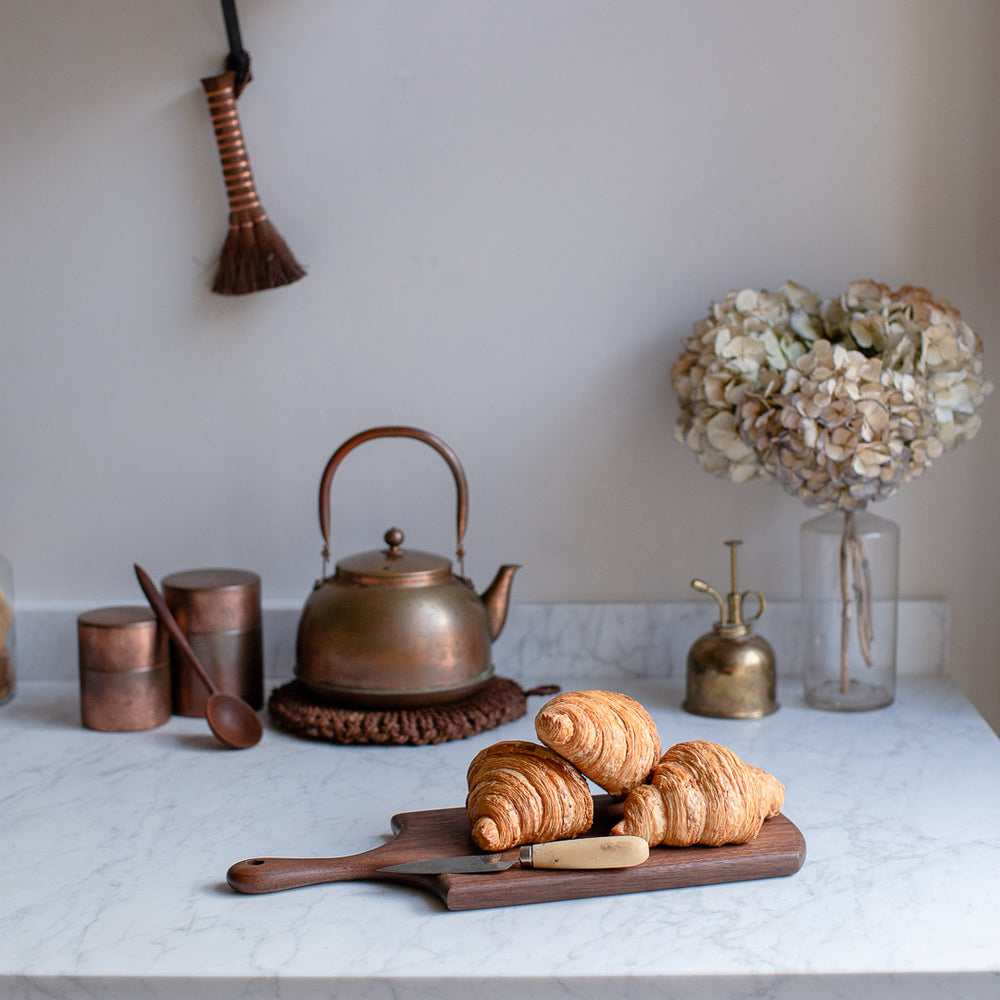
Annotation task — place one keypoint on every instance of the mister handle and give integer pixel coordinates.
(731, 607)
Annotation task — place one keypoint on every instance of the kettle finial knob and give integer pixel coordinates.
(394, 538)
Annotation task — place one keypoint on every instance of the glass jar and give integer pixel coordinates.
(8, 675)
(850, 591)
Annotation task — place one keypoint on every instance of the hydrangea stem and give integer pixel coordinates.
(854, 562)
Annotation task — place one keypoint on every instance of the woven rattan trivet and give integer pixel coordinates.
(499, 700)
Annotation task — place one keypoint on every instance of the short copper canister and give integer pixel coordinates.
(124, 669)
(219, 612)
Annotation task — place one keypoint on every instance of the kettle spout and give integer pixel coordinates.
(496, 598)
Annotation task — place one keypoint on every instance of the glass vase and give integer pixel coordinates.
(850, 592)
(7, 672)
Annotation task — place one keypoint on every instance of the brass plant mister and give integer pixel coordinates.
(730, 671)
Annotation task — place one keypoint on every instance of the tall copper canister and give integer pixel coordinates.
(124, 669)
(219, 612)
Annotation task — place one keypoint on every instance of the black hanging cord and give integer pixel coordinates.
(238, 59)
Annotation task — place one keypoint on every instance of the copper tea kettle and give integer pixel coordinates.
(397, 628)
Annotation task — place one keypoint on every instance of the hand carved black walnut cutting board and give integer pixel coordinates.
(779, 849)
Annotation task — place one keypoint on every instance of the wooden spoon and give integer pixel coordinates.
(232, 720)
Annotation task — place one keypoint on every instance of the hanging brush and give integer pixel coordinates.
(254, 256)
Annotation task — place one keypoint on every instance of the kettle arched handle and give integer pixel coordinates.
(461, 484)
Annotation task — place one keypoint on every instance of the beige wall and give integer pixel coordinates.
(511, 213)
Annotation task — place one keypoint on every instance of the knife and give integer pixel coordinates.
(590, 852)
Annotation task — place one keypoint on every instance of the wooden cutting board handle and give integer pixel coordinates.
(276, 874)
(417, 835)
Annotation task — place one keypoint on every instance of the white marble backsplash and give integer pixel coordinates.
(652, 640)
(544, 640)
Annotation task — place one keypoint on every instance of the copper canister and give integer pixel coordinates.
(219, 612)
(124, 669)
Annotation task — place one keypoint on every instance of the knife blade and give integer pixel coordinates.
(590, 852)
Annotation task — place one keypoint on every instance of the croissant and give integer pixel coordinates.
(6, 618)
(609, 736)
(522, 793)
(701, 793)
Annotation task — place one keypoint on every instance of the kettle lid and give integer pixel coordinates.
(394, 566)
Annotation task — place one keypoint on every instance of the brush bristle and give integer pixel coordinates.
(254, 258)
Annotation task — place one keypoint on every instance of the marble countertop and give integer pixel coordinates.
(116, 847)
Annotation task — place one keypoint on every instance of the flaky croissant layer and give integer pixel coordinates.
(701, 793)
(608, 736)
(522, 793)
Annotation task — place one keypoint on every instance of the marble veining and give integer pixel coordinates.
(117, 847)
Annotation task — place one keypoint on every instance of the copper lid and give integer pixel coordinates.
(213, 600)
(120, 638)
(394, 566)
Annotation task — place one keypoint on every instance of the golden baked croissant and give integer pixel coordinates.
(701, 793)
(609, 736)
(522, 793)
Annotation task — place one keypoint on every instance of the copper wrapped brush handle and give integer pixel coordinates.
(240, 187)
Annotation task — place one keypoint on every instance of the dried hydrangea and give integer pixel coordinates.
(740, 350)
(841, 402)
